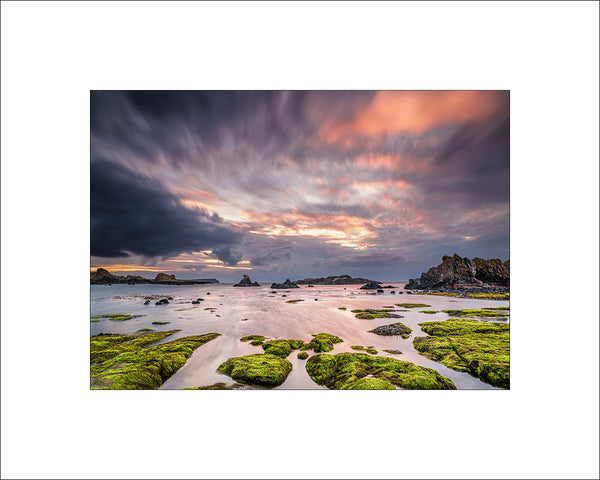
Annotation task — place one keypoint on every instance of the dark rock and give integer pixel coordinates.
(246, 282)
(392, 329)
(371, 286)
(285, 285)
(379, 290)
(393, 292)
(163, 301)
(147, 302)
(333, 280)
(103, 277)
(458, 272)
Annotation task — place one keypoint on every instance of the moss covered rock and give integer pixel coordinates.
(258, 369)
(302, 355)
(372, 383)
(322, 342)
(344, 370)
(480, 348)
(128, 362)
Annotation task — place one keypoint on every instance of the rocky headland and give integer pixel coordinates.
(103, 277)
(461, 274)
(333, 280)
(246, 282)
(285, 285)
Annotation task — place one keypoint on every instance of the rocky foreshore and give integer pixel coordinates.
(103, 277)
(333, 280)
(458, 274)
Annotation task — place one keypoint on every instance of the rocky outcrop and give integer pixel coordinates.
(103, 277)
(285, 285)
(371, 286)
(461, 272)
(333, 280)
(164, 278)
(492, 271)
(246, 282)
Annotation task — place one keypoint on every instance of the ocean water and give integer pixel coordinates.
(241, 311)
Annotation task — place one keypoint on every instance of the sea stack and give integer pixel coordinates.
(285, 285)
(246, 282)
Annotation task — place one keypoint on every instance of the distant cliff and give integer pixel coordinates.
(103, 277)
(333, 280)
(457, 271)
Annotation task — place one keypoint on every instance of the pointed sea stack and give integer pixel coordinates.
(246, 282)
(285, 285)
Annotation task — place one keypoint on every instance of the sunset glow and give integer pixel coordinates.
(293, 184)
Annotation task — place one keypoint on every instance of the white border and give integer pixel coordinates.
(545, 53)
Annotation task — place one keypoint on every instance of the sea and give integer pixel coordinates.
(235, 312)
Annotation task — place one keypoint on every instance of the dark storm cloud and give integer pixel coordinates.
(133, 214)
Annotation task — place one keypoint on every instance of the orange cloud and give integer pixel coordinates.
(344, 230)
(413, 112)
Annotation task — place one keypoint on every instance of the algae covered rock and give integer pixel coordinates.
(480, 348)
(128, 362)
(372, 383)
(322, 342)
(280, 348)
(258, 369)
(302, 355)
(344, 370)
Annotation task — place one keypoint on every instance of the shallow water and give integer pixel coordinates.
(244, 311)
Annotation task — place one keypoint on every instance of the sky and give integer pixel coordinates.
(277, 184)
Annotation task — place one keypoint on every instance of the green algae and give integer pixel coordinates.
(160, 323)
(344, 370)
(474, 313)
(429, 312)
(129, 362)
(280, 348)
(322, 342)
(370, 314)
(294, 301)
(258, 369)
(393, 352)
(369, 349)
(217, 386)
(184, 309)
(256, 342)
(372, 383)
(341, 308)
(302, 355)
(210, 308)
(479, 348)
(481, 296)
(116, 317)
(252, 337)
(412, 305)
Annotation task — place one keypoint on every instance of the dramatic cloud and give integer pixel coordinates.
(294, 183)
(132, 214)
